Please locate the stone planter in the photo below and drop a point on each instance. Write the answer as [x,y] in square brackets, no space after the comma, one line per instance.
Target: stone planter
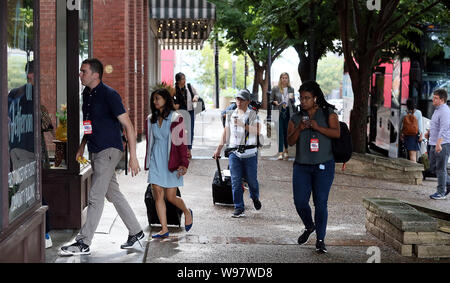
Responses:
[384,168]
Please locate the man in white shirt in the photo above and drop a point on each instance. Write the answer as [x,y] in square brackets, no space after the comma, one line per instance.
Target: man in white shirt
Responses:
[242,127]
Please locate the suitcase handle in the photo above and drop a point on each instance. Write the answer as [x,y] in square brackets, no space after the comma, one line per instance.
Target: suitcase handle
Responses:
[219,171]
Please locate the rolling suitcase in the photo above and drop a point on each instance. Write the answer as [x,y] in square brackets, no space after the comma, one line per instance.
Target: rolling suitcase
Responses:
[221,187]
[173,213]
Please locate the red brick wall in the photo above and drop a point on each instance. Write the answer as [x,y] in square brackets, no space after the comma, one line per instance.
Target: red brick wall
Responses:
[119,35]
[47,55]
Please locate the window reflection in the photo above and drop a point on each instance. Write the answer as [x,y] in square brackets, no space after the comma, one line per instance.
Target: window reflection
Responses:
[22,189]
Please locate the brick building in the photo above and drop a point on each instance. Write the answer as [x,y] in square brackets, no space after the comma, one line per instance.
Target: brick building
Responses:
[127,36]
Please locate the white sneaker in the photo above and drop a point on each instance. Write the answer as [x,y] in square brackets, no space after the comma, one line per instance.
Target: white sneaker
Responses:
[48,241]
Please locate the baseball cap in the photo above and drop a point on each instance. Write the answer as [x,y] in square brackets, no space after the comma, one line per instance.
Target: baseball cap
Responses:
[244,94]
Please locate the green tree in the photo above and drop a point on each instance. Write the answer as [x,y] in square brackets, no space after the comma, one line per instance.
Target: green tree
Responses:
[366,34]
[246,30]
[311,27]
[205,69]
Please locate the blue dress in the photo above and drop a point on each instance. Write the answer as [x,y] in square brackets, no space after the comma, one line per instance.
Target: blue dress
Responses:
[159,173]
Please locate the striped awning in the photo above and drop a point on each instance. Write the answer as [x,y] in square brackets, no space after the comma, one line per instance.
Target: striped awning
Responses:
[181,24]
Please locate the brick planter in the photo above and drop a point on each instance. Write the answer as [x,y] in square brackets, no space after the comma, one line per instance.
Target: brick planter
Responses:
[407,230]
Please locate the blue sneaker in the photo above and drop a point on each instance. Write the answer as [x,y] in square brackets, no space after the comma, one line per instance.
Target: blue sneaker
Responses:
[437,196]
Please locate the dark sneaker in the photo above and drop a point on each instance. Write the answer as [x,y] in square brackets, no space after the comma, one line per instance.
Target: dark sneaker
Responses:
[238,213]
[438,196]
[305,236]
[77,248]
[257,204]
[448,190]
[132,240]
[320,247]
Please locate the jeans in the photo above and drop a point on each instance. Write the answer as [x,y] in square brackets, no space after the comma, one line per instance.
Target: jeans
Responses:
[282,130]
[438,164]
[243,167]
[318,180]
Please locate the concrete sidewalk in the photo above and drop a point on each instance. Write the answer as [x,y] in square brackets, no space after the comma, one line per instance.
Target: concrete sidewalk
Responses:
[268,235]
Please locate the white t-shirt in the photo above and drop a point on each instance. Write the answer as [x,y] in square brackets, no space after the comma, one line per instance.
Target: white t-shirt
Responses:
[237,133]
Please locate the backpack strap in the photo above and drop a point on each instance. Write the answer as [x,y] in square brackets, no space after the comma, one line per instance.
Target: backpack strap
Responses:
[190,90]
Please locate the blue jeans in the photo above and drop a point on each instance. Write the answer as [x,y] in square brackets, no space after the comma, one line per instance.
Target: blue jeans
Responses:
[243,167]
[282,130]
[318,180]
[438,164]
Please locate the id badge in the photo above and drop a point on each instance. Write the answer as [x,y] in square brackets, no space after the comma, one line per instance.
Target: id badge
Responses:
[87,126]
[314,145]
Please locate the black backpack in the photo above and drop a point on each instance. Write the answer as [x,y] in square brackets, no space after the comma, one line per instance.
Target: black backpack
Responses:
[342,147]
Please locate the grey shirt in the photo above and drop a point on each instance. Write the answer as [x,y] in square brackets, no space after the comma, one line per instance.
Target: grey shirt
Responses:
[277,95]
[303,153]
[440,125]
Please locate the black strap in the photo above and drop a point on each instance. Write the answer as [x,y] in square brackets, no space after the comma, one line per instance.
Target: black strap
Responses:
[190,90]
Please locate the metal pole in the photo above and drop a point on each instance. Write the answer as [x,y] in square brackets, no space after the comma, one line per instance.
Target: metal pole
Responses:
[269,105]
[216,67]
[245,71]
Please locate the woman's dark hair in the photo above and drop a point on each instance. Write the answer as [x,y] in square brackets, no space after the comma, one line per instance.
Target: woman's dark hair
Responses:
[179,76]
[410,104]
[164,93]
[314,89]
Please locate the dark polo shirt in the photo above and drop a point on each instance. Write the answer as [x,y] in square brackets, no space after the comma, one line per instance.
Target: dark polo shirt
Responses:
[102,106]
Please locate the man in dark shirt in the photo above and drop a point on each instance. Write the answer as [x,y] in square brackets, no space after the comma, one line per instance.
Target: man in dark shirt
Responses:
[103,116]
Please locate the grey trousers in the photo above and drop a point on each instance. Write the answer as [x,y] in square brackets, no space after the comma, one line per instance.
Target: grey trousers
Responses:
[104,184]
[438,164]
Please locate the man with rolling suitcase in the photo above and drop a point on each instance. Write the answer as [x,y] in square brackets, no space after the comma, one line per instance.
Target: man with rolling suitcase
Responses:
[242,127]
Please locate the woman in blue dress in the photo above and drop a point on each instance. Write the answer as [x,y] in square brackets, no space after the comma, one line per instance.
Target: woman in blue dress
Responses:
[166,157]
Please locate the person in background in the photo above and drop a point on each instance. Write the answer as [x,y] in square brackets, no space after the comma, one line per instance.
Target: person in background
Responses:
[439,141]
[282,98]
[185,96]
[311,131]
[242,127]
[166,157]
[412,142]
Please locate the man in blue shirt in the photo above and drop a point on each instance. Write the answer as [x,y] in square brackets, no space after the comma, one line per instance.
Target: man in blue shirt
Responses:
[439,139]
[103,116]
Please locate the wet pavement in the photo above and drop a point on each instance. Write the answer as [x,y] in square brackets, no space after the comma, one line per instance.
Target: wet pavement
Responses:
[265,236]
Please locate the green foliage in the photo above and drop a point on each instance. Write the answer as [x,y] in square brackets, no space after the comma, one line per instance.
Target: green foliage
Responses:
[329,73]
[241,27]
[16,71]
[205,69]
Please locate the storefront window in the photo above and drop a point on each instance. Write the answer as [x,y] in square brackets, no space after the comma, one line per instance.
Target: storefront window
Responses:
[57,145]
[22,188]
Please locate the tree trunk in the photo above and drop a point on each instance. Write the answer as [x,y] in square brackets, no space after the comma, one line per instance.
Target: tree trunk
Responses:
[306,70]
[358,116]
[260,80]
